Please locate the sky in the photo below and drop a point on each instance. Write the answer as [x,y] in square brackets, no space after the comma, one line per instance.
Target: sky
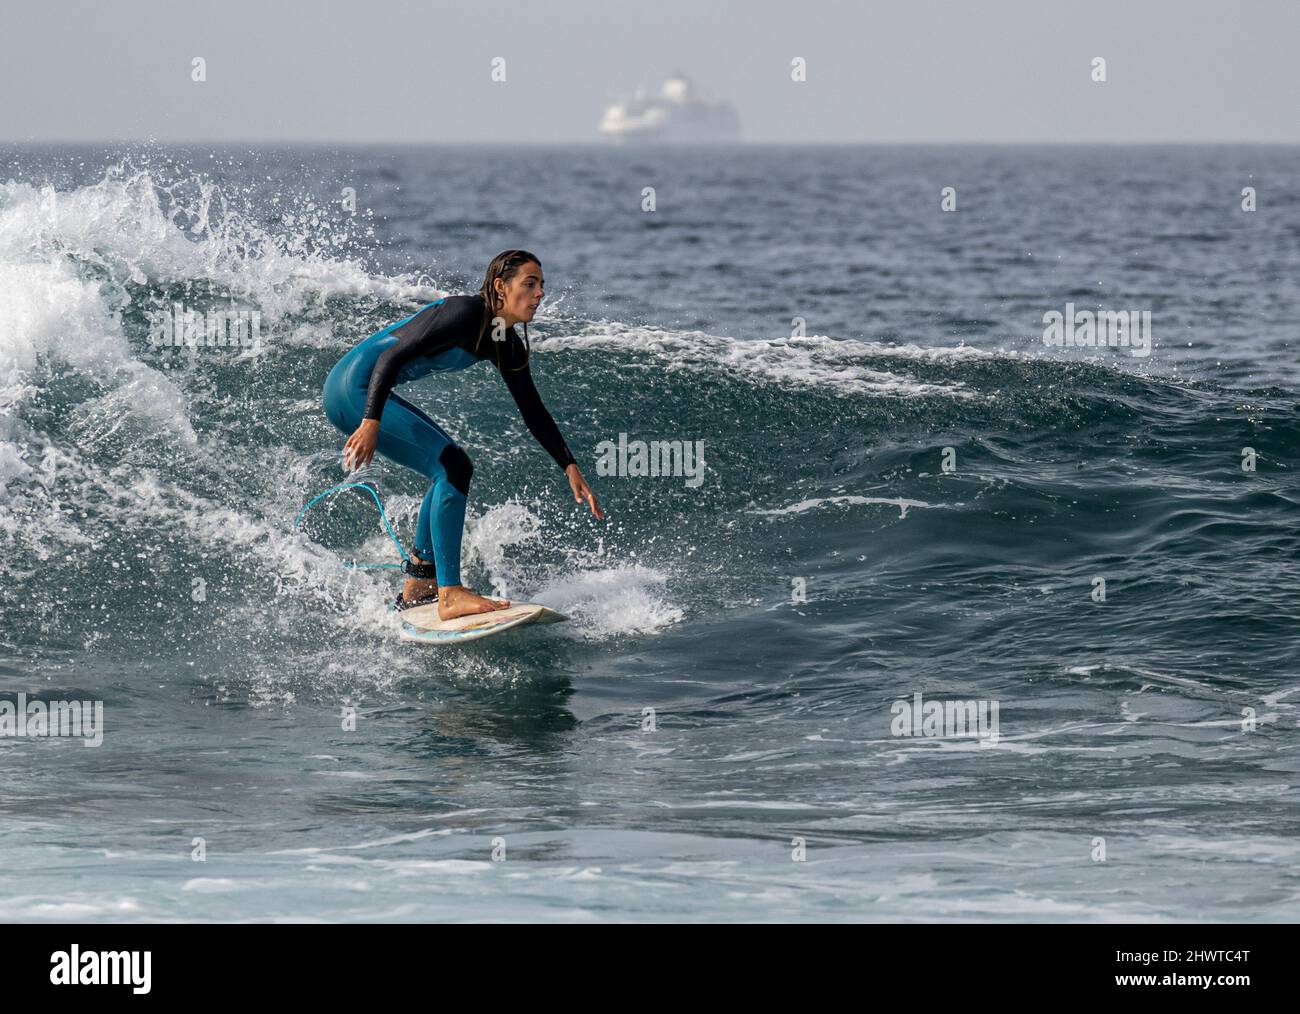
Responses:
[957,71]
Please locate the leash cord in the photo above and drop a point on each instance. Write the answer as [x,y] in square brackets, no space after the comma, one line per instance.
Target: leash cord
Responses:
[387,524]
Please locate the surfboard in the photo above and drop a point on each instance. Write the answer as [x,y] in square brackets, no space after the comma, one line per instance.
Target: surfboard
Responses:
[421,623]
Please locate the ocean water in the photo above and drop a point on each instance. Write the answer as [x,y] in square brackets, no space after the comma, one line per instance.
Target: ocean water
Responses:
[905,492]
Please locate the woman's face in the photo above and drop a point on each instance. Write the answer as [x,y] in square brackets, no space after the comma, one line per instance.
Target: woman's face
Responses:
[522,293]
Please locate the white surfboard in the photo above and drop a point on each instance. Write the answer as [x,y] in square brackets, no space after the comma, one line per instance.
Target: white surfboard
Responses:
[421,623]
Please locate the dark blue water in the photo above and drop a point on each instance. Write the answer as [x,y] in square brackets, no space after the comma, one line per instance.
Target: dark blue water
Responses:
[912,494]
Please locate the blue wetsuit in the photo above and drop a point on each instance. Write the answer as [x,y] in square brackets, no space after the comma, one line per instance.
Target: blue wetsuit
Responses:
[442,336]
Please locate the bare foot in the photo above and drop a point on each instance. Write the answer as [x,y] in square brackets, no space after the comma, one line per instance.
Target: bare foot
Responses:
[457,600]
[416,589]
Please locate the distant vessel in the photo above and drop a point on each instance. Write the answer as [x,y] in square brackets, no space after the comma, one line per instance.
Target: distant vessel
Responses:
[675,115]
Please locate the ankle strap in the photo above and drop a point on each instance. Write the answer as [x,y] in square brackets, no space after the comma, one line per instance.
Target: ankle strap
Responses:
[420,571]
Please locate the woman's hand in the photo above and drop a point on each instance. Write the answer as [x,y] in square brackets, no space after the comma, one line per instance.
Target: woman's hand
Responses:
[581,491]
[360,447]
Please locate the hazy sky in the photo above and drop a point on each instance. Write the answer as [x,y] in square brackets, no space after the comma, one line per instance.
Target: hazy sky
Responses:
[903,70]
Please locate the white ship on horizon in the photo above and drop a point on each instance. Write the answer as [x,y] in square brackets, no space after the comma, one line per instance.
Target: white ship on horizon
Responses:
[675,115]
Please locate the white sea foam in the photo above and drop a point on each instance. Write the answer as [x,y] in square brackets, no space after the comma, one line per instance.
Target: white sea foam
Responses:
[215,885]
[902,504]
[614,600]
[601,598]
[66,257]
[813,361]
[120,228]
[490,535]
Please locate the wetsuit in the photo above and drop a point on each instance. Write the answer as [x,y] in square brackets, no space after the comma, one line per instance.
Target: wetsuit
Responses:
[442,336]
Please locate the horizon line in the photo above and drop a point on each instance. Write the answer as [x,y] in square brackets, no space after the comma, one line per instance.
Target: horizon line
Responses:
[645,146]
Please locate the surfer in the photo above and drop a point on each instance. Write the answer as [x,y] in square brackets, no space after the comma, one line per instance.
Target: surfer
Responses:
[451,334]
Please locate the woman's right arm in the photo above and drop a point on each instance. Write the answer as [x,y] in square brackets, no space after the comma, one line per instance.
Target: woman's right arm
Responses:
[425,334]
[384,373]
[360,447]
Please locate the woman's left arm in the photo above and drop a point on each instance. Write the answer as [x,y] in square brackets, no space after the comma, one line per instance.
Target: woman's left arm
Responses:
[519,381]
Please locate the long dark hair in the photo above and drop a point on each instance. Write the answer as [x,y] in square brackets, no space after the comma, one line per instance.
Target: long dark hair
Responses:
[505,266]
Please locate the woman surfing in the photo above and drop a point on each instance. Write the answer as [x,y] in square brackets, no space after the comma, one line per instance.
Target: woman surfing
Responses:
[451,334]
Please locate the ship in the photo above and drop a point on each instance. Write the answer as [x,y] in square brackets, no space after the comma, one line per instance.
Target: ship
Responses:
[675,116]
